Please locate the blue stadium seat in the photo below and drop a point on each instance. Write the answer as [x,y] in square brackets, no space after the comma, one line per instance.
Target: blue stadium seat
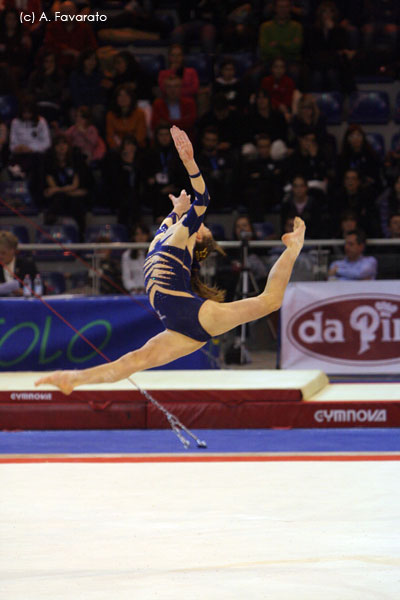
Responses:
[331,106]
[8,107]
[263,230]
[369,107]
[151,63]
[115,232]
[201,62]
[397,109]
[377,142]
[395,143]
[217,230]
[243,61]
[16,194]
[20,231]
[54,282]
[59,234]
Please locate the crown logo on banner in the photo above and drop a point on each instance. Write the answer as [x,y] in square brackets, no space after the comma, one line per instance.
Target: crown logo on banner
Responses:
[386,309]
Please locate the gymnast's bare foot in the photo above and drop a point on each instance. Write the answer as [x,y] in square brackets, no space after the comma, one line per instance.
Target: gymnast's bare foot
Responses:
[295,240]
[66,381]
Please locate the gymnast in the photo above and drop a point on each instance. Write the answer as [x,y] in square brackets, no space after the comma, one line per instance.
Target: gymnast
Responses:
[191,314]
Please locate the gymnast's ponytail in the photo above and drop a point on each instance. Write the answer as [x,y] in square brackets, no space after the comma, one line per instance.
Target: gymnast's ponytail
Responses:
[201,251]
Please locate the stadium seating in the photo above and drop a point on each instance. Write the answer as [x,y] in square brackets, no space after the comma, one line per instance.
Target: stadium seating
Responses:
[395,143]
[244,61]
[115,233]
[202,63]
[263,230]
[8,107]
[54,282]
[59,234]
[369,107]
[377,142]
[151,63]
[20,231]
[331,106]
[217,230]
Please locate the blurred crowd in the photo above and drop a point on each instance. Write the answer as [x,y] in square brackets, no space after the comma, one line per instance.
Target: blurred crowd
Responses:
[89,126]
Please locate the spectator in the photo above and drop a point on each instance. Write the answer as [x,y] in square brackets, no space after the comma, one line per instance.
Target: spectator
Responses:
[228,84]
[14,266]
[133,260]
[163,172]
[15,44]
[3,142]
[281,36]
[394,226]
[308,119]
[218,168]
[86,84]
[261,180]
[308,160]
[85,136]
[355,266]
[351,195]
[280,87]
[47,85]
[174,108]
[389,204]
[240,25]
[176,66]
[69,38]
[124,180]
[381,29]
[63,185]
[358,154]
[109,267]
[327,51]
[226,121]
[262,118]
[125,118]
[127,70]
[299,202]
[199,21]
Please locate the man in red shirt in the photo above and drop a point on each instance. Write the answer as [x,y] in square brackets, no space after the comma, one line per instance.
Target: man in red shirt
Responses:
[68,38]
[174,108]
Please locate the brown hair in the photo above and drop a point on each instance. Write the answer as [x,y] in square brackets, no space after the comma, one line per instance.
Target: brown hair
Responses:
[203,249]
[8,239]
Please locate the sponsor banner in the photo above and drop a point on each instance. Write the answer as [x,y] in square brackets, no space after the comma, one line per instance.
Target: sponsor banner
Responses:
[32,338]
[341,327]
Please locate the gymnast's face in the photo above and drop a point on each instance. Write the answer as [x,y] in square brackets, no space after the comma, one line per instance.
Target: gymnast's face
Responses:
[203,233]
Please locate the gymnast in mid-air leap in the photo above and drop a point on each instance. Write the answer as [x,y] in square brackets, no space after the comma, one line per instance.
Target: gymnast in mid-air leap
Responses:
[191,312]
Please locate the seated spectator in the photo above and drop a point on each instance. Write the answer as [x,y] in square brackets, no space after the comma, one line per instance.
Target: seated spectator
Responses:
[394,226]
[163,172]
[380,31]
[389,204]
[302,204]
[240,24]
[109,267]
[63,189]
[15,44]
[352,195]
[198,21]
[348,222]
[133,260]
[127,70]
[280,87]
[261,180]
[308,119]
[226,121]
[68,39]
[174,108]
[358,154]
[29,140]
[228,84]
[176,66]
[262,118]
[218,168]
[125,118]
[309,160]
[281,36]
[86,84]
[14,266]
[124,181]
[85,136]
[47,85]
[355,266]
[327,51]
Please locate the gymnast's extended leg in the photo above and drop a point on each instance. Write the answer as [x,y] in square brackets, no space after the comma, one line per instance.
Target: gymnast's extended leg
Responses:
[159,350]
[219,318]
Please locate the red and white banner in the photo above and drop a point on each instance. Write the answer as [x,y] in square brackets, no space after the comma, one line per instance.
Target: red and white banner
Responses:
[341,326]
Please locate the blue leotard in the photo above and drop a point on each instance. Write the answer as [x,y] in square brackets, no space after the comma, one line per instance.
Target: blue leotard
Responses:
[167,272]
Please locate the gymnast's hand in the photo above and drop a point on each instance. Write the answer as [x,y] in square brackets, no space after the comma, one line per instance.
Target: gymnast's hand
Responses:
[182,144]
[181,203]
[64,380]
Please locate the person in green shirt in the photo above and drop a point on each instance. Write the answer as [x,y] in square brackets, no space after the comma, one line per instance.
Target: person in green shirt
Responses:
[281,36]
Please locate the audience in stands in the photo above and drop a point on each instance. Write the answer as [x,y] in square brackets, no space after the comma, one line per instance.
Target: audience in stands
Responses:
[280,87]
[174,107]
[355,265]
[358,154]
[86,84]
[15,266]
[125,118]
[85,136]
[389,204]
[282,36]
[227,121]
[132,261]
[310,208]
[176,66]
[228,84]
